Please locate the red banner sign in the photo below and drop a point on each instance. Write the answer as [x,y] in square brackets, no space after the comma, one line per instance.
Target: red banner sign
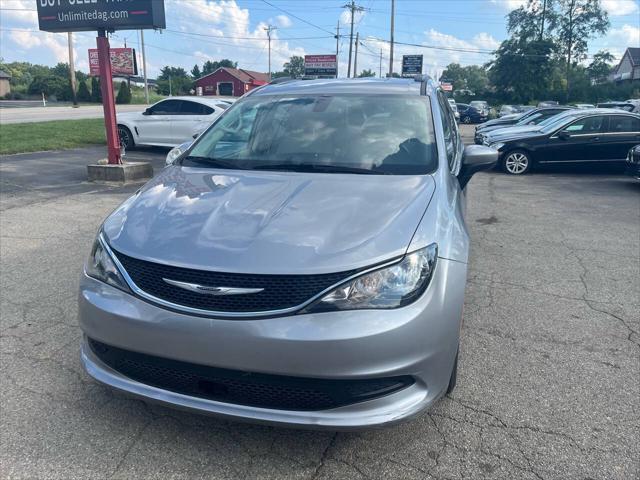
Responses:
[123,61]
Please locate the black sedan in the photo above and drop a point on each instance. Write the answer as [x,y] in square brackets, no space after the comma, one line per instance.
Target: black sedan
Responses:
[532,117]
[469,114]
[597,136]
[633,162]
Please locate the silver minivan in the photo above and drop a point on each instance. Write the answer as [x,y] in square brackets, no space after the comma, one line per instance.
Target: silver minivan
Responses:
[302,263]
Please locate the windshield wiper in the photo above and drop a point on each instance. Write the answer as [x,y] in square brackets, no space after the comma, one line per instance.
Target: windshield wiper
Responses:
[316,167]
[214,162]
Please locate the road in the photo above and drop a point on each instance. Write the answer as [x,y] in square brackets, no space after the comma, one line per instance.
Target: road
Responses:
[548,383]
[45,114]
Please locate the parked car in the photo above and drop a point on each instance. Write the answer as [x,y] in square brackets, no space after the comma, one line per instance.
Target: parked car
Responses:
[583,106]
[626,106]
[508,110]
[580,137]
[548,103]
[234,284]
[454,107]
[169,122]
[533,117]
[633,162]
[469,114]
[481,106]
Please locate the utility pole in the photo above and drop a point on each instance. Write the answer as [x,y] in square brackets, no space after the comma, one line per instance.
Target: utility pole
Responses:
[354,8]
[337,45]
[355,59]
[72,70]
[269,29]
[144,68]
[380,67]
[393,12]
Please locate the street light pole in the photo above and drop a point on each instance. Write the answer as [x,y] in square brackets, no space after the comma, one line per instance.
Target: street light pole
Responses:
[393,9]
[72,71]
[144,68]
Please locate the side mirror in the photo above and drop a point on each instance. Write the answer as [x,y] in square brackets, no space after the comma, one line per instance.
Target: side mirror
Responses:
[195,135]
[564,135]
[175,153]
[476,158]
[147,111]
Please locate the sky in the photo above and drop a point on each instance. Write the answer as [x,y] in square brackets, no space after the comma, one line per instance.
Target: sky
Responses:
[200,30]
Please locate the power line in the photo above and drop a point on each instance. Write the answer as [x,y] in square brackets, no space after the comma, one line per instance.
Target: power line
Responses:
[297,17]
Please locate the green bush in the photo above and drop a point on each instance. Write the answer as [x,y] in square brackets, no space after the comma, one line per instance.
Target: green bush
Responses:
[124,93]
[84,95]
[96,93]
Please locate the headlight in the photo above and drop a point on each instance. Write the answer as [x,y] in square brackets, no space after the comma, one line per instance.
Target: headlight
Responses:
[100,266]
[389,287]
[173,154]
[496,146]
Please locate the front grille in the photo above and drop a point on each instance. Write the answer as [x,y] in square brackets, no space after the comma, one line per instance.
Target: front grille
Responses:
[244,388]
[280,291]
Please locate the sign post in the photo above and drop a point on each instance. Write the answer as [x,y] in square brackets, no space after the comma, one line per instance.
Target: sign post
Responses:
[411,65]
[108,100]
[104,16]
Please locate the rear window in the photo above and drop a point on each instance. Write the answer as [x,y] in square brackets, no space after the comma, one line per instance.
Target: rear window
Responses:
[382,134]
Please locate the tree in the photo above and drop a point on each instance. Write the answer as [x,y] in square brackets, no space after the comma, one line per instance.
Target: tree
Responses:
[473,77]
[210,67]
[174,81]
[523,69]
[366,73]
[124,93]
[84,95]
[578,21]
[536,20]
[195,72]
[601,66]
[294,68]
[96,92]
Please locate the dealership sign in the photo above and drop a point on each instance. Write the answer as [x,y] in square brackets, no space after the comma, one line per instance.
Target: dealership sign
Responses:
[109,15]
[123,61]
[411,65]
[321,65]
[446,86]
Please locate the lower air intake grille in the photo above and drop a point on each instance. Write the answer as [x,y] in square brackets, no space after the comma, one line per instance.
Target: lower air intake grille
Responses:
[243,388]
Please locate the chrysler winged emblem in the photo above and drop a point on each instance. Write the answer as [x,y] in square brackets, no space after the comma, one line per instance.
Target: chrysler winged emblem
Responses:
[211,290]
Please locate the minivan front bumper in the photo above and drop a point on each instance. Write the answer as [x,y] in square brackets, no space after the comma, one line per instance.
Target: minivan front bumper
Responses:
[419,340]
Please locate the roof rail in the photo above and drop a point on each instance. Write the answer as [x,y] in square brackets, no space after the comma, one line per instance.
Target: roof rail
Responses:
[423,78]
[275,81]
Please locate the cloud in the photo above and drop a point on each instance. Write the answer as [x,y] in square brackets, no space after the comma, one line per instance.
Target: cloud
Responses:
[283,21]
[620,7]
[55,42]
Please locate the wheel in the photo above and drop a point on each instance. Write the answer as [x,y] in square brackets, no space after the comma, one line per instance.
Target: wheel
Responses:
[517,162]
[454,376]
[125,137]
[466,119]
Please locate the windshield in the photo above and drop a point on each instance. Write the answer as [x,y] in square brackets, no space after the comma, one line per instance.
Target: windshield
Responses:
[381,134]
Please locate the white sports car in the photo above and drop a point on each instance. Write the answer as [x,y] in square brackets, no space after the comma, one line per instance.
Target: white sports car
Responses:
[169,122]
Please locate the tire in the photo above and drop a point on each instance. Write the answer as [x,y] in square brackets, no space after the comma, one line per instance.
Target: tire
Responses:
[453,380]
[517,162]
[466,119]
[125,137]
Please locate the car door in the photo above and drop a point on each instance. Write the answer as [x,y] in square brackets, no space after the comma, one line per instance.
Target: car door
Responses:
[623,132]
[579,141]
[155,126]
[193,118]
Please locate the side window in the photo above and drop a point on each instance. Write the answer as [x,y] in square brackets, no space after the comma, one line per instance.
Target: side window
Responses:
[452,137]
[623,124]
[194,108]
[585,126]
[167,107]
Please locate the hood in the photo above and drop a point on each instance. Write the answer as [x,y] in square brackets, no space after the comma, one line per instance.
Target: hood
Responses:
[509,133]
[124,116]
[491,128]
[269,222]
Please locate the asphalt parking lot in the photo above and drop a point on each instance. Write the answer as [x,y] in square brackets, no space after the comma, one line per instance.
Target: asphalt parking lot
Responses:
[550,359]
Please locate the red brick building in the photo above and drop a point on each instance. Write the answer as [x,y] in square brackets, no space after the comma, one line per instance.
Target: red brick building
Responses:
[233,82]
